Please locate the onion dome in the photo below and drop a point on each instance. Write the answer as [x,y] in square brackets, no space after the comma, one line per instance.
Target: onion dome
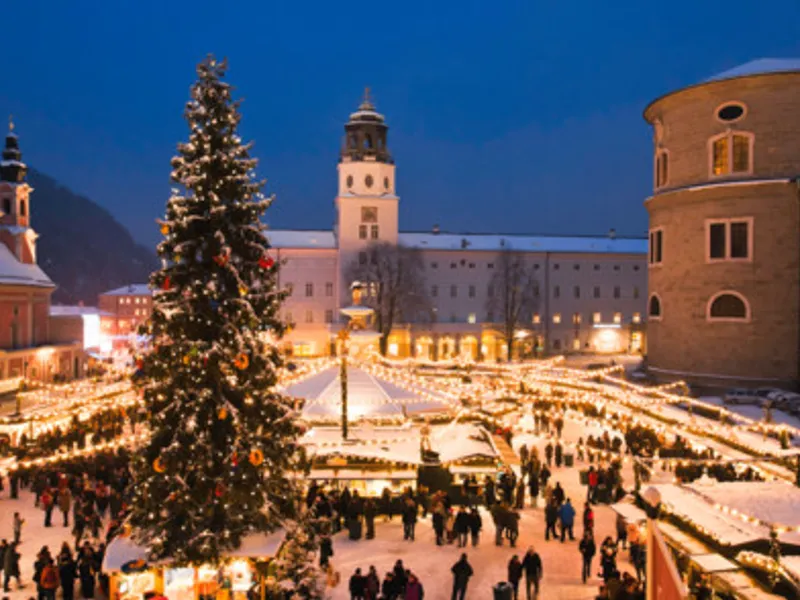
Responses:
[12,169]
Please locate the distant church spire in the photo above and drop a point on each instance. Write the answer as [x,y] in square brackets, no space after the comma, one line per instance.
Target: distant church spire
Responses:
[366,104]
[12,168]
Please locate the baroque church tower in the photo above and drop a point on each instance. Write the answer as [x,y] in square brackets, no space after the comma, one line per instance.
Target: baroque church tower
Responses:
[15,230]
[366,204]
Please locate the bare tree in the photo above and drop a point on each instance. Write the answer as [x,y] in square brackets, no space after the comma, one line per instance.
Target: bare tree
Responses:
[394,285]
[513,295]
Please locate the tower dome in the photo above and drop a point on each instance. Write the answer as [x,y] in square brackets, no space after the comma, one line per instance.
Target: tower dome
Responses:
[12,169]
[365,134]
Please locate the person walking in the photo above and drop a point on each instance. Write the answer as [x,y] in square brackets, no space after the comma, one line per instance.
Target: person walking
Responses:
[461,527]
[438,524]
[532,568]
[591,490]
[550,519]
[64,503]
[17,527]
[533,488]
[558,494]
[567,516]
[11,566]
[325,550]
[475,525]
[400,578]
[369,517]
[409,519]
[608,558]
[462,571]
[414,589]
[67,572]
[48,581]
[86,574]
[548,454]
[515,574]
[559,454]
[358,584]
[622,532]
[48,503]
[587,549]
[588,518]
[373,584]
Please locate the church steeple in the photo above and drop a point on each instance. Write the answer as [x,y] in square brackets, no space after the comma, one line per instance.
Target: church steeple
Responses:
[365,134]
[12,169]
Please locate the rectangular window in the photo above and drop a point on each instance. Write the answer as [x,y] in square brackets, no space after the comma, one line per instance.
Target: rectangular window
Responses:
[369,214]
[453,291]
[373,232]
[309,290]
[362,232]
[309,316]
[329,316]
[490,265]
[472,291]
[596,317]
[556,291]
[729,239]
[535,290]
[434,291]
[662,168]
[635,292]
[637,318]
[617,318]
[290,288]
[576,291]
[656,246]
[471,318]
[490,317]
[576,318]
[453,265]
[616,291]
[741,153]
[471,265]
[434,265]
[557,318]
[536,319]
[597,291]
[490,291]
[329,289]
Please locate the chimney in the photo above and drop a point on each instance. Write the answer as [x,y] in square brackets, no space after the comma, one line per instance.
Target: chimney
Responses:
[612,234]
[436,229]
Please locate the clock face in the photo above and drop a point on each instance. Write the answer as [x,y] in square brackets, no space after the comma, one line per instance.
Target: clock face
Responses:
[386,182]
[349,181]
[368,181]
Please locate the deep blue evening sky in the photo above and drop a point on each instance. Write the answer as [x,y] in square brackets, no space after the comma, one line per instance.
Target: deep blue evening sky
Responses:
[515,116]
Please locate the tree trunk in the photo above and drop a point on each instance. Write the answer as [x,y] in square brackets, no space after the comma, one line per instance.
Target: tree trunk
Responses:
[510,349]
[383,343]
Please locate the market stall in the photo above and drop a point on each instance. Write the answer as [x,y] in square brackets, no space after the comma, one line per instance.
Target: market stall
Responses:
[132,576]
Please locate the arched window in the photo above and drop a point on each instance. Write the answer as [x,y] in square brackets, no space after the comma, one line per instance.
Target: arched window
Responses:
[730,153]
[368,141]
[22,208]
[728,306]
[7,206]
[654,307]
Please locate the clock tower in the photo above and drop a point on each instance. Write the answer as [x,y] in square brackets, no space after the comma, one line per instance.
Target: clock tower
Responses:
[366,204]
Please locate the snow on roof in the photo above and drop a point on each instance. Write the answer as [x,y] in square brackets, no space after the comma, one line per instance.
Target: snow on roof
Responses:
[288,238]
[524,243]
[135,289]
[123,549]
[60,310]
[453,442]
[14,272]
[367,396]
[761,66]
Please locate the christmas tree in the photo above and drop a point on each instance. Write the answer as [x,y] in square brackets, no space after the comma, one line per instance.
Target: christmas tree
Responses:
[222,439]
[296,574]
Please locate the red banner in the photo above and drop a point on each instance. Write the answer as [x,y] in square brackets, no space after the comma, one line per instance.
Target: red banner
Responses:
[665,582]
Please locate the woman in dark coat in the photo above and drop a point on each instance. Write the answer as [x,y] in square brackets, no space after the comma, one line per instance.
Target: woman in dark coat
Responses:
[86,574]
[67,572]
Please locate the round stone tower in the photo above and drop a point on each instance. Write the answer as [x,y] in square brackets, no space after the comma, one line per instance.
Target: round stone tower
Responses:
[724,257]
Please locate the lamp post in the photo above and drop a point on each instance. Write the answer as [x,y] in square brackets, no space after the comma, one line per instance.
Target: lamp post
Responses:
[344,349]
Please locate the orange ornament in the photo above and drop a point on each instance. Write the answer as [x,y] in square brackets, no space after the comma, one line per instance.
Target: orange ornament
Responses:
[256,457]
[159,466]
[241,362]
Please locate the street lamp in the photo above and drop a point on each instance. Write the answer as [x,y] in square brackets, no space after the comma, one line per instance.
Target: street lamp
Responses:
[354,329]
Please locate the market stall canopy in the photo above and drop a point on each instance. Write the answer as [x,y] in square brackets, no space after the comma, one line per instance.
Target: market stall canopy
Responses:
[123,550]
[454,442]
[367,396]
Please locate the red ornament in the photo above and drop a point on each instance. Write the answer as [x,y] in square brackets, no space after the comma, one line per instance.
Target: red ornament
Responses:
[219,490]
[266,262]
[234,459]
[167,283]
[222,259]
[139,363]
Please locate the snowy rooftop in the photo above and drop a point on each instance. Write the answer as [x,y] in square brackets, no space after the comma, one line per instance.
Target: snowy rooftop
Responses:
[368,396]
[77,311]
[474,241]
[761,66]
[13,272]
[136,289]
[453,442]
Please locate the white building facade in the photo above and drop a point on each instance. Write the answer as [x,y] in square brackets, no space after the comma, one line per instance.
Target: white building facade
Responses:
[590,291]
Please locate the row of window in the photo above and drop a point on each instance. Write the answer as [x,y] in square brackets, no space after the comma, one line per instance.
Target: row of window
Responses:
[597,318]
[310,289]
[576,291]
[136,300]
[536,266]
[725,240]
[722,306]
[8,207]
[729,153]
[309,316]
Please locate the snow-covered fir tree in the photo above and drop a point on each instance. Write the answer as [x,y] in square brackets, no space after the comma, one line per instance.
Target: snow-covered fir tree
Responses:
[222,439]
[297,576]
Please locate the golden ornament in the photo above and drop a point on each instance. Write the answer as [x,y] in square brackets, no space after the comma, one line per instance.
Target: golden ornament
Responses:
[256,457]
[241,362]
[164,229]
[159,466]
[243,290]
[222,413]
